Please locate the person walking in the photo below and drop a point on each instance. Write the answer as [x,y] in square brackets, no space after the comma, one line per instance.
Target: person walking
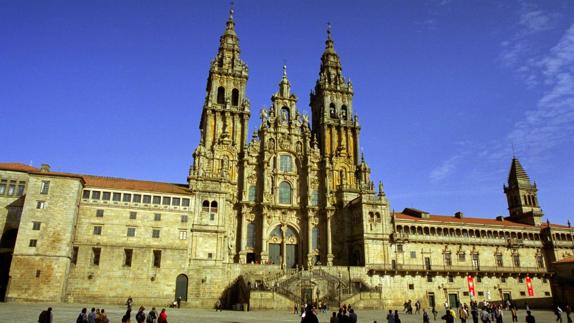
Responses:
[426,318]
[390,317]
[462,314]
[127,317]
[397,318]
[434,312]
[568,310]
[530,318]
[448,318]
[558,313]
[152,316]
[484,315]
[514,313]
[352,316]
[140,316]
[334,318]
[309,316]
[162,316]
[474,313]
[498,314]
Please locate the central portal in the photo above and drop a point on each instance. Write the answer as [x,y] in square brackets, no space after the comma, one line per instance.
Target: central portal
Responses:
[284,246]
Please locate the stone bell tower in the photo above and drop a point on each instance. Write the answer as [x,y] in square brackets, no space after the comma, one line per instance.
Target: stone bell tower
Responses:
[334,125]
[225,115]
[522,196]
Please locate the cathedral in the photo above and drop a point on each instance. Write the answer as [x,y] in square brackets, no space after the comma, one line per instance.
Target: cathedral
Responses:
[286,215]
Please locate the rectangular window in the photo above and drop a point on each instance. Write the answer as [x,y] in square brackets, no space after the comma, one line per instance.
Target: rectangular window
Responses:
[33,243]
[3,184]
[314,198]
[147,199]
[211,217]
[41,204]
[450,279]
[399,248]
[95,195]
[184,202]
[461,257]
[128,257]
[522,293]
[252,193]
[133,215]
[36,225]
[184,219]
[127,197]
[175,201]
[99,213]
[157,200]
[21,188]
[413,254]
[480,293]
[209,255]
[182,235]
[411,286]
[106,196]
[12,188]
[74,259]
[503,279]
[157,217]
[155,233]
[131,232]
[116,197]
[447,259]
[540,261]
[98,230]
[429,278]
[166,200]
[86,194]
[44,187]
[38,273]
[479,279]
[137,198]
[96,252]
[520,280]
[157,258]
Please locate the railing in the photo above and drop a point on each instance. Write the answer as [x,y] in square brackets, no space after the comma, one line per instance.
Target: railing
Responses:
[400,236]
[443,268]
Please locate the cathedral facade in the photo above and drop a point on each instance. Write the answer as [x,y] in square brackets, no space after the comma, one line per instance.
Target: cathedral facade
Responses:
[286,215]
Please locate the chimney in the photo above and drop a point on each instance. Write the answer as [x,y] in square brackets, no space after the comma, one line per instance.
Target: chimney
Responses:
[500,218]
[459,215]
[45,168]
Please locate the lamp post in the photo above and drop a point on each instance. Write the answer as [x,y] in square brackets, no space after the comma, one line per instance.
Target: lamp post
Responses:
[340,276]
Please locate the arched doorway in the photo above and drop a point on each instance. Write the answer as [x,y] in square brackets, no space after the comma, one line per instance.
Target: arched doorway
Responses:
[284,246]
[181,287]
[7,244]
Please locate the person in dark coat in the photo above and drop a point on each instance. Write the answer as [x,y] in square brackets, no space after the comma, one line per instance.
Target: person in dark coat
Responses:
[46,316]
[448,318]
[309,316]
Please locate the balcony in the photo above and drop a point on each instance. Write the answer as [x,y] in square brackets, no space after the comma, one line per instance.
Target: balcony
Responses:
[515,242]
[399,237]
[413,268]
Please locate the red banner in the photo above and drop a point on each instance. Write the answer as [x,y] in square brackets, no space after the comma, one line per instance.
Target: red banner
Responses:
[529,286]
[470,281]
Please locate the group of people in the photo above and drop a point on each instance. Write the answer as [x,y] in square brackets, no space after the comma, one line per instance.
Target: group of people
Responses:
[96,315]
[141,316]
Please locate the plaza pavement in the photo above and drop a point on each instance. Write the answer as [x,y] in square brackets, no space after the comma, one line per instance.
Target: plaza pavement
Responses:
[67,313]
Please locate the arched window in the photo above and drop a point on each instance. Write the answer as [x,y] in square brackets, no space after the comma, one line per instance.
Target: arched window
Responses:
[284,193]
[213,207]
[344,112]
[205,206]
[315,238]
[285,163]
[221,95]
[235,97]
[332,110]
[285,114]
[251,193]
[251,235]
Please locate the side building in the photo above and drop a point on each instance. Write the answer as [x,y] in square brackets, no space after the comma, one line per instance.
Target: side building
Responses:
[286,216]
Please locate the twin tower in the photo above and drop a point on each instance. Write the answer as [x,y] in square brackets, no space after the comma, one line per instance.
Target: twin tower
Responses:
[281,196]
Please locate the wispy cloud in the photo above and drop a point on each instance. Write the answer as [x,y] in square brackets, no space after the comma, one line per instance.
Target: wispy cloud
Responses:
[445,168]
[535,21]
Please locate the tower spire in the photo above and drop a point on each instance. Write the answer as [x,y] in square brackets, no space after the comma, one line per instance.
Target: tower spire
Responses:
[521,195]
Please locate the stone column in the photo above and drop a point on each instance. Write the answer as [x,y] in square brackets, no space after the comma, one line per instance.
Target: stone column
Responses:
[283,247]
[329,240]
[264,245]
[242,252]
[309,240]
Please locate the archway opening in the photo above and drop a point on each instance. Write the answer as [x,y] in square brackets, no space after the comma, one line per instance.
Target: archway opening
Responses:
[181,287]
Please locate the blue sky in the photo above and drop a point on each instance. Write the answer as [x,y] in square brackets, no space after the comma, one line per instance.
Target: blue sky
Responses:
[443,89]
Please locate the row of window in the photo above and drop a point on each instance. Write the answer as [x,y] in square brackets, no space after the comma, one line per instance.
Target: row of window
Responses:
[135,198]
[452,232]
[134,215]
[12,187]
[128,256]
[333,111]
[221,96]
[131,232]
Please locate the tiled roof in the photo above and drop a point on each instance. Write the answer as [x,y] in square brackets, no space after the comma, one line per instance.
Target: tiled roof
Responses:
[105,182]
[567,260]
[130,184]
[465,220]
[17,167]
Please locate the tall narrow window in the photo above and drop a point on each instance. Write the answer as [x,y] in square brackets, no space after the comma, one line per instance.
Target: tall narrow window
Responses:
[157,258]
[499,260]
[540,261]
[3,184]
[314,198]
[96,252]
[251,193]
[221,95]
[315,238]
[155,233]
[285,114]
[21,188]
[447,259]
[214,206]
[284,193]
[74,259]
[117,197]
[205,206]
[516,260]
[44,187]
[235,97]
[128,253]
[182,235]
[344,112]
[251,235]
